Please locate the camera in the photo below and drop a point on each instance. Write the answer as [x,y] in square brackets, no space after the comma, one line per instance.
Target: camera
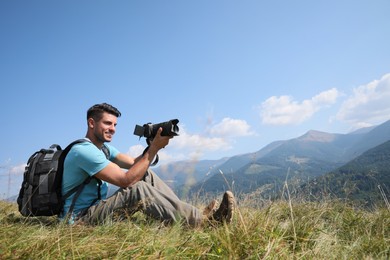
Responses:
[149,130]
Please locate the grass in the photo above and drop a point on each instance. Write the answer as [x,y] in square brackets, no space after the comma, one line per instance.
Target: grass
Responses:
[278,230]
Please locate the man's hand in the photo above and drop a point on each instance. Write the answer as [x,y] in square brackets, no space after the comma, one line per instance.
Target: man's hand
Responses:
[159,141]
[136,167]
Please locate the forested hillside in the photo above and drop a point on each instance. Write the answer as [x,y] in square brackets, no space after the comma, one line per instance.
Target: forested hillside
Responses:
[362,180]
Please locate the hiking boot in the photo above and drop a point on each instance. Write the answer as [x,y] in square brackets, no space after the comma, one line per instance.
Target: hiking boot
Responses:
[210,209]
[225,212]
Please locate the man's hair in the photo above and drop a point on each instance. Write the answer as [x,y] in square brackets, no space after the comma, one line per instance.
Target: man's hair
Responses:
[96,111]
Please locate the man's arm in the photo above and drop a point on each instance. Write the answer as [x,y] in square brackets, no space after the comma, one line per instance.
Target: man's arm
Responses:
[113,173]
[124,161]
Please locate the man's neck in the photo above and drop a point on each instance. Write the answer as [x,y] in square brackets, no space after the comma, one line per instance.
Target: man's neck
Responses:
[97,143]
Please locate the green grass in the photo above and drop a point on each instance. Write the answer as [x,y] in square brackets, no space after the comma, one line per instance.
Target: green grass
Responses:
[279,230]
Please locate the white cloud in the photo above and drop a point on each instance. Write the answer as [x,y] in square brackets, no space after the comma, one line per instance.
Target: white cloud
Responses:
[231,127]
[284,110]
[369,104]
[136,150]
[18,169]
[13,169]
[199,142]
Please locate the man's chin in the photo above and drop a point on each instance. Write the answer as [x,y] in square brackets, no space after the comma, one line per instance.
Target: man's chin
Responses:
[108,139]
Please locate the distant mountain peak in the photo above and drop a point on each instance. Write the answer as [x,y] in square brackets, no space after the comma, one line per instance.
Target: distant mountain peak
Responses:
[318,136]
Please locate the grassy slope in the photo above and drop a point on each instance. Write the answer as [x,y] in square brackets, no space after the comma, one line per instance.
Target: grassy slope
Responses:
[280,230]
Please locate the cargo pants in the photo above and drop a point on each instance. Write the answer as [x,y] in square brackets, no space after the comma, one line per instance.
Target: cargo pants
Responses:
[151,196]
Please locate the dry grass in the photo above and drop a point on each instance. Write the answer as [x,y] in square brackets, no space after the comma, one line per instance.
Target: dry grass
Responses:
[279,230]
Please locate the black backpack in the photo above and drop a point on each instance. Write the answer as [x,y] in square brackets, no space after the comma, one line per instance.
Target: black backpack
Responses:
[41,190]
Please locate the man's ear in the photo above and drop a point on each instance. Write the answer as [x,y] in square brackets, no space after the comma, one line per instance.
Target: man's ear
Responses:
[91,122]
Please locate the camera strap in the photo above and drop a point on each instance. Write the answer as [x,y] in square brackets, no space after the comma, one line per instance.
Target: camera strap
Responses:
[146,149]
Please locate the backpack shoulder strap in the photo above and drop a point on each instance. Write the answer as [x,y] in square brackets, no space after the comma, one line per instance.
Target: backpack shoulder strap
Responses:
[80,187]
[65,152]
[106,151]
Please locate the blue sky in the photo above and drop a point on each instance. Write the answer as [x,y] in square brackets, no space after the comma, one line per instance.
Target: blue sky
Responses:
[237,74]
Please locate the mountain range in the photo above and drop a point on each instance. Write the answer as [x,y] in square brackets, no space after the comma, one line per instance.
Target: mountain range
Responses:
[316,163]
[297,161]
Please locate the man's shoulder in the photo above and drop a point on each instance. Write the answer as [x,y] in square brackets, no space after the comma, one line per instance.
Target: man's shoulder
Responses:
[83,148]
[83,145]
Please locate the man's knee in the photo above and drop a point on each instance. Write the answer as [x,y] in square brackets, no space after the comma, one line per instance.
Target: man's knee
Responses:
[136,191]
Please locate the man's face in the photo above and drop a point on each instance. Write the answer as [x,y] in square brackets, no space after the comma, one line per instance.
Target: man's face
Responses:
[104,129]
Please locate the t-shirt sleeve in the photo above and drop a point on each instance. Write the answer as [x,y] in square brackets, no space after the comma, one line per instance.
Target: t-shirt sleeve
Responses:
[90,159]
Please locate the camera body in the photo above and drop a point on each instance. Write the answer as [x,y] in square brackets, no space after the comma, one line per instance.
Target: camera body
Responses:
[149,130]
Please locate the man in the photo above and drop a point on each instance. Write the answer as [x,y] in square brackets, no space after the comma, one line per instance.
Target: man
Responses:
[140,188]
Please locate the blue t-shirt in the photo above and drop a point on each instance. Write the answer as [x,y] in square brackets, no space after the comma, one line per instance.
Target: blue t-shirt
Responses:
[83,160]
